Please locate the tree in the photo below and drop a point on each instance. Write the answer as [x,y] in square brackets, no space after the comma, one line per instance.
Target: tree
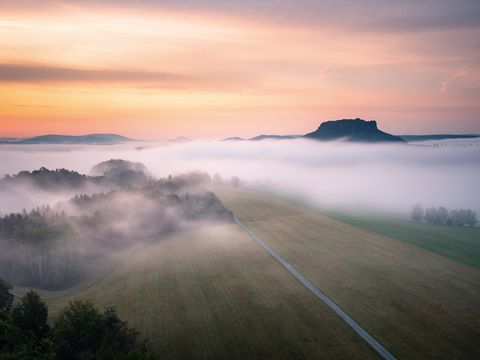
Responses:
[15,343]
[77,330]
[6,297]
[217,180]
[429,215]
[235,181]
[82,331]
[471,218]
[120,340]
[417,213]
[436,216]
[442,215]
[456,217]
[12,341]
[30,315]
[459,217]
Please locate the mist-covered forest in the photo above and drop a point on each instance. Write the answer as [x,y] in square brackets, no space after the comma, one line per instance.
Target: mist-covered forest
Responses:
[120,205]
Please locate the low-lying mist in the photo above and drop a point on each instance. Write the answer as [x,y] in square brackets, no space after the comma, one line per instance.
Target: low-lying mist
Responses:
[379,177]
[55,246]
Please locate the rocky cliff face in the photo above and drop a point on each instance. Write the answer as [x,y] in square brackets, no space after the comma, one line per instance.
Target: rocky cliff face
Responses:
[352,130]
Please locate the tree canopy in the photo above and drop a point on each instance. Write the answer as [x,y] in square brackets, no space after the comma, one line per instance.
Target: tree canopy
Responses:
[80,332]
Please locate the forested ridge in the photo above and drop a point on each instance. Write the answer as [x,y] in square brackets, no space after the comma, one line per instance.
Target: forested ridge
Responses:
[52,246]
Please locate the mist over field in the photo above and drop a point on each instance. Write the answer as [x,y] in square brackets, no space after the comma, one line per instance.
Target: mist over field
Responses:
[239,179]
[383,177]
[121,205]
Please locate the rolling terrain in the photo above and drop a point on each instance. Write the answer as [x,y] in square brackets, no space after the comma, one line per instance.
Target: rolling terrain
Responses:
[214,293]
[416,303]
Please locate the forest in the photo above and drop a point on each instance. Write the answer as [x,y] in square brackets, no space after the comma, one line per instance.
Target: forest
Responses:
[52,246]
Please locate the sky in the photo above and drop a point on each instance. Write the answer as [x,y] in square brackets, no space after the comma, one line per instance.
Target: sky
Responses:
[212,69]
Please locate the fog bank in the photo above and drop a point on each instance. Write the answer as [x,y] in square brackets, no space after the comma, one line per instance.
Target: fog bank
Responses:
[379,177]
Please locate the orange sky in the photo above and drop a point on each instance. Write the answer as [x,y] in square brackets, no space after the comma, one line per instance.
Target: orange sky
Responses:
[159,72]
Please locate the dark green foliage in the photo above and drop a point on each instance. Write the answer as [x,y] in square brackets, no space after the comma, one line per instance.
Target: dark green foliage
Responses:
[80,333]
[77,330]
[30,315]
[24,332]
[14,345]
[6,297]
[83,332]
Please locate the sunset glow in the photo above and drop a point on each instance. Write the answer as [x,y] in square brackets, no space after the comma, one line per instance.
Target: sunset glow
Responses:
[161,71]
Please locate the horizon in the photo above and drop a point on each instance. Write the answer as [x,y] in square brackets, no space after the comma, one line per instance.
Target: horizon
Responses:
[180,136]
[214,70]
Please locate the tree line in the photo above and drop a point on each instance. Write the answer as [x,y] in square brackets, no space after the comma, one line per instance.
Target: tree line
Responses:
[81,331]
[35,248]
[444,216]
[54,247]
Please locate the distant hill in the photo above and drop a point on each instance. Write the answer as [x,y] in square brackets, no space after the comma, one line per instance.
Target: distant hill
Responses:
[73,139]
[356,130]
[234,138]
[180,139]
[275,137]
[9,139]
[263,137]
[411,138]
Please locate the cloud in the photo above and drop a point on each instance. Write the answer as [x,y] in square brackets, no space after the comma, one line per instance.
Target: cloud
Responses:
[42,73]
[446,82]
[417,20]
[408,15]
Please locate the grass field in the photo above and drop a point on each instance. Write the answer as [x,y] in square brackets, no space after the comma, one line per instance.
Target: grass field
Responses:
[214,293]
[418,304]
[460,244]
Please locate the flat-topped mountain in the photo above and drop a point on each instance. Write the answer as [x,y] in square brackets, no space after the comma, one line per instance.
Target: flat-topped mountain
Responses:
[352,130]
[356,130]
